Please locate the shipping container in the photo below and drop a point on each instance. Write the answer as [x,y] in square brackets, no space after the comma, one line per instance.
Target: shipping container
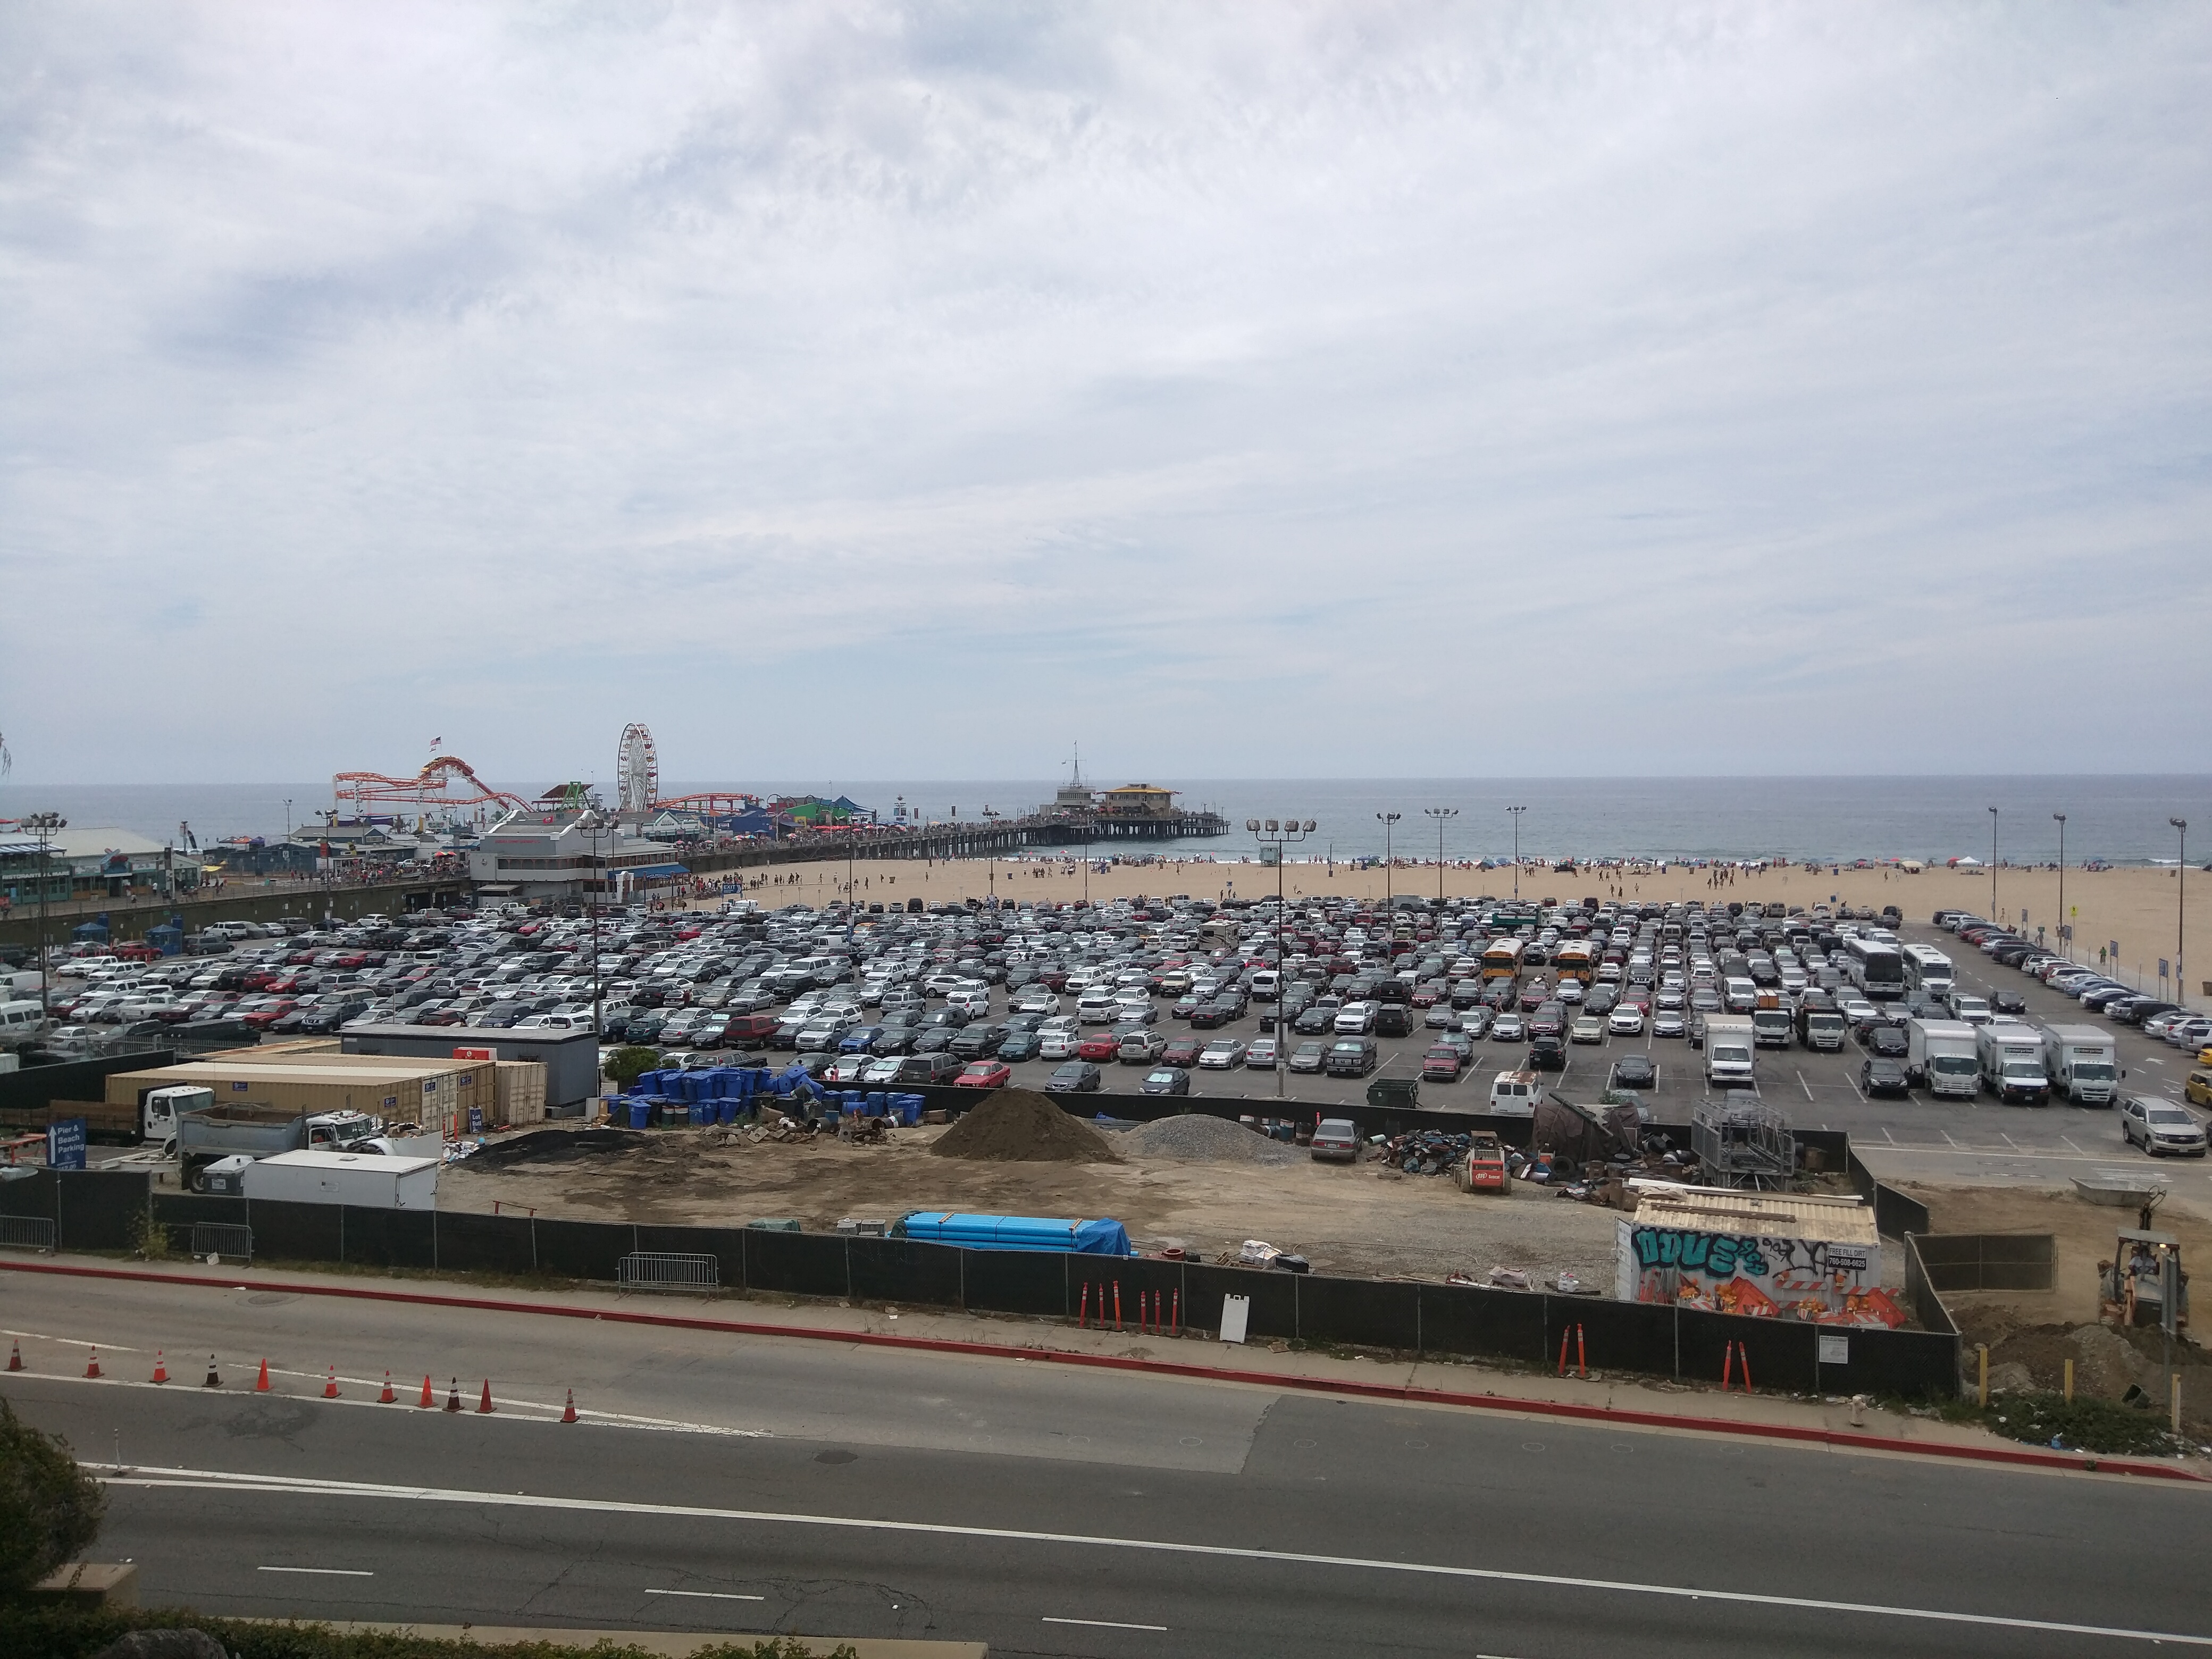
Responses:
[368,1180]
[522,1092]
[438,1094]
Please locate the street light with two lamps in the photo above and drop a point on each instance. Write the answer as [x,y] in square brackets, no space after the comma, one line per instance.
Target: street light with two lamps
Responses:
[1387,819]
[1271,833]
[1441,813]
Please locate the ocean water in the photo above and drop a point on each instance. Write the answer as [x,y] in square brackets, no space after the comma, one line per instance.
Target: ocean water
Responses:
[2119,820]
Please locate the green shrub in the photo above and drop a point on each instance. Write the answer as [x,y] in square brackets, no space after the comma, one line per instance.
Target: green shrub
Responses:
[50,1509]
[627,1064]
[2082,1425]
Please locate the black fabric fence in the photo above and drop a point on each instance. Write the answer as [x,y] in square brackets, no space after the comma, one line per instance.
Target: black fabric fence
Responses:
[1990,1262]
[1895,1215]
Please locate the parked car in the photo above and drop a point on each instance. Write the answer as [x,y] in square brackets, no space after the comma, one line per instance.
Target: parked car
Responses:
[1441,1064]
[1635,1072]
[1336,1140]
[2161,1127]
[1222,1054]
[1307,1057]
[1882,1075]
[1546,1053]
[1075,1077]
[1166,1080]
[985,1074]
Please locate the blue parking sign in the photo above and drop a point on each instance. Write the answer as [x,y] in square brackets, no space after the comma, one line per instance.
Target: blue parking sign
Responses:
[65,1142]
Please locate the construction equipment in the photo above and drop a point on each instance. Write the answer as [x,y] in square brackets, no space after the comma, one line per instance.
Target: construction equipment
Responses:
[1483,1168]
[1742,1142]
[2143,1281]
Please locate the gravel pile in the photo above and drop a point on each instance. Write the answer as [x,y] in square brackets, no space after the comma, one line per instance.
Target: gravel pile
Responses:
[1020,1125]
[1193,1138]
[556,1146]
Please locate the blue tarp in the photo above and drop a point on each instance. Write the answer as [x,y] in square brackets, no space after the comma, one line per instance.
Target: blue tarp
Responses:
[1017,1232]
[655,872]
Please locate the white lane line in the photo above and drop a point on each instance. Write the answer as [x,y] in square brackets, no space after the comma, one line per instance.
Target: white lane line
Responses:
[282,1485]
[2069,1139]
[1887,1136]
[1945,1134]
[322,1572]
[1806,1086]
[709,1595]
[1103,1624]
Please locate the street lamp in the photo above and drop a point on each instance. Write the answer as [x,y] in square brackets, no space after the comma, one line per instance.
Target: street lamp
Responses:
[1517,812]
[44,824]
[1288,833]
[595,821]
[2065,932]
[1993,864]
[1387,819]
[1440,813]
[2181,909]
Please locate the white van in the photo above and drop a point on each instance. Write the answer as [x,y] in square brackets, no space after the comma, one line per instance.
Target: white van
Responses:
[23,1024]
[1513,1094]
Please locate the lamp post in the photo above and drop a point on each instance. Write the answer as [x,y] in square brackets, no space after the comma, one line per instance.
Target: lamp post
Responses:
[2181,909]
[1288,833]
[991,852]
[1440,813]
[2065,932]
[1387,819]
[44,824]
[1517,812]
[1993,864]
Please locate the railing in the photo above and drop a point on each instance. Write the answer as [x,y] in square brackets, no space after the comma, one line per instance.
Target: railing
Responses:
[26,1232]
[222,1238]
[647,1270]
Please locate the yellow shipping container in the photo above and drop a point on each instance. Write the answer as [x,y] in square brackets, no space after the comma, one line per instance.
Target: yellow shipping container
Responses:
[521,1091]
[436,1094]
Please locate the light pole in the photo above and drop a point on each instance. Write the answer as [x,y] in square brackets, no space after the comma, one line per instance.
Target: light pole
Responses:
[1517,812]
[1993,864]
[595,822]
[991,853]
[1387,819]
[44,824]
[1288,833]
[2181,909]
[2065,932]
[1440,813]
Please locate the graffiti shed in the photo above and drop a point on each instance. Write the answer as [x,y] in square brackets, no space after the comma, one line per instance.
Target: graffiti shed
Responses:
[1769,1256]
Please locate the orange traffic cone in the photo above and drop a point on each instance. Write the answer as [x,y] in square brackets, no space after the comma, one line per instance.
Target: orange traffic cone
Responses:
[160,1371]
[485,1405]
[387,1397]
[92,1365]
[454,1397]
[429,1400]
[330,1388]
[262,1387]
[16,1356]
[568,1411]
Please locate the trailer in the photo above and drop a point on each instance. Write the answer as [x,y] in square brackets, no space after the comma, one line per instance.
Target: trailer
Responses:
[370,1181]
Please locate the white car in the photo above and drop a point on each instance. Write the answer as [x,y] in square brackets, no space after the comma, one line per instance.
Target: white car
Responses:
[879,1072]
[1627,1020]
[1354,1019]
[1058,1043]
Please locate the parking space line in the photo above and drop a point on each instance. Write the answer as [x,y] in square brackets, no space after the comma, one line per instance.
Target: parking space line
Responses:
[1945,1134]
[1889,1136]
[1806,1086]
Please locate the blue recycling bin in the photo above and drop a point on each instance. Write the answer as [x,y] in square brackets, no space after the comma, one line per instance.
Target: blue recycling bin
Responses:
[640,1114]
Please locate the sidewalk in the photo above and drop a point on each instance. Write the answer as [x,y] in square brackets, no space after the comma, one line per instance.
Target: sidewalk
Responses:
[1616,1400]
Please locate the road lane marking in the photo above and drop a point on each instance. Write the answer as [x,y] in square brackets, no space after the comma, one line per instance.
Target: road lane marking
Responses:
[322,1572]
[1103,1624]
[1806,1086]
[709,1595]
[301,1486]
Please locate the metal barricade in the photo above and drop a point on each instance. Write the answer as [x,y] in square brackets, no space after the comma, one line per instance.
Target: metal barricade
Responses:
[646,1271]
[26,1232]
[222,1238]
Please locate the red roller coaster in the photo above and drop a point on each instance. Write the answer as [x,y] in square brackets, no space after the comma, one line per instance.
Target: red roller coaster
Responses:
[433,787]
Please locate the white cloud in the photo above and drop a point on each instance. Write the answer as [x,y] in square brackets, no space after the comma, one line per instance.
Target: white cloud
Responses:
[900,390]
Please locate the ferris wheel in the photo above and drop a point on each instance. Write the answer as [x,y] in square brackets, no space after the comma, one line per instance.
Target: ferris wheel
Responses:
[637,771]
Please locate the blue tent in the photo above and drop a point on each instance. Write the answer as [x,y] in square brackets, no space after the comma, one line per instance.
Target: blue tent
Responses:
[1015,1232]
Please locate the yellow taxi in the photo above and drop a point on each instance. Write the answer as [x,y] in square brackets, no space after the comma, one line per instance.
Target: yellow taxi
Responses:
[2198,1088]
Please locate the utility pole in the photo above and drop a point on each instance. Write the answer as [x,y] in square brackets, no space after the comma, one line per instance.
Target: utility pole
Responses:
[1517,812]
[2181,911]
[1440,813]
[1993,864]
[1387,819]
[1288,833]
[2065,931]
[44,824]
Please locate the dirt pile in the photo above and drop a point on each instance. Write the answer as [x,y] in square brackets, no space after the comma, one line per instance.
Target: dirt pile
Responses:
[556,1146]
[1193,1138]
[1020,1125]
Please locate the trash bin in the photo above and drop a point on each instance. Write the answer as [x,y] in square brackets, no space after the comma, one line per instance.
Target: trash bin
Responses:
[1395,1093]
[640,1114]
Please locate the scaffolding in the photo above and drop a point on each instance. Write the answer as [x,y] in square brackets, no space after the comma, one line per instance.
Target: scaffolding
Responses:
[1742,1143]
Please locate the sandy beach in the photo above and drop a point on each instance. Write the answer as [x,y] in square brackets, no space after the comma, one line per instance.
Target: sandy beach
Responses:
[2133,907]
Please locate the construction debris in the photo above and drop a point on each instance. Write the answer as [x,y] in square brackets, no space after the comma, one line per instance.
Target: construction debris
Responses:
[1020,1125]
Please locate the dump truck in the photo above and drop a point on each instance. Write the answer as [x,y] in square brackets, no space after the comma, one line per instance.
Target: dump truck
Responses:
[260,1132]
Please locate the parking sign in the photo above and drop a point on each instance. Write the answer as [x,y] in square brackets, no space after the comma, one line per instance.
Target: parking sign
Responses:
[65,1144]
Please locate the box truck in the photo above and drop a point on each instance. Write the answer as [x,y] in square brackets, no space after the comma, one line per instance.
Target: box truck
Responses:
[369,1180]
[1820,1028]
[1771,1027]
[2083,1064]
[1941,1057]
[2011,1057]
[1728,1051]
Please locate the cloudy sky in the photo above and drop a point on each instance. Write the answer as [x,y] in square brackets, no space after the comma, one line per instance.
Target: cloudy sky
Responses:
[1275,390]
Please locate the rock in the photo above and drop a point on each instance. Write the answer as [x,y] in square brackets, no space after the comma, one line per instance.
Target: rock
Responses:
[2011,1377]
[164,1644]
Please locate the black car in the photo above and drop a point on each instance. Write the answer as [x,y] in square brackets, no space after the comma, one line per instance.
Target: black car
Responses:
[934,1040]
[1601,999]
[1635,1072]
[976,1043]
[1167,1080]
[1886,1043]
[1314,1021]
[1547,1053]
[1212,1016]
[2008,1002]
[1882,1075]
[1019,1045]
[1075,1077]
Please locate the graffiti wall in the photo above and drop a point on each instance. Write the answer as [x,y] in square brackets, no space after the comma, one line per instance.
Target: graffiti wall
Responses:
[1817,1281]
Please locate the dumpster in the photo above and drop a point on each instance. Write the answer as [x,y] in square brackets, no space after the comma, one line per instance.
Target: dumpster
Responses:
[1395,1093]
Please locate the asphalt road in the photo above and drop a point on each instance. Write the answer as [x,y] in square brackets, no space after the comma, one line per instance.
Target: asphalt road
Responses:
[1101,1515]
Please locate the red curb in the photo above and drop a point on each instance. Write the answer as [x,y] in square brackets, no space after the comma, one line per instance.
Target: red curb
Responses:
[2023,1457]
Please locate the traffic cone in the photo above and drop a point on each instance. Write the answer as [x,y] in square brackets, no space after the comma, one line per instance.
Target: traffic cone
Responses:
[213,1376]
[92,1365]
[484,1406]
[160,1371]
[568,1411]
[261,1386]
[429,1399]
[330,1388]
[16,1356]
[387,1398]
[453,1399]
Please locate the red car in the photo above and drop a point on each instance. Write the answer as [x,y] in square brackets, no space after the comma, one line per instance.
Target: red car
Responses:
[262,1016]
[1183,1052]
[1441,1064]
[1098,1046]
[985,1074]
